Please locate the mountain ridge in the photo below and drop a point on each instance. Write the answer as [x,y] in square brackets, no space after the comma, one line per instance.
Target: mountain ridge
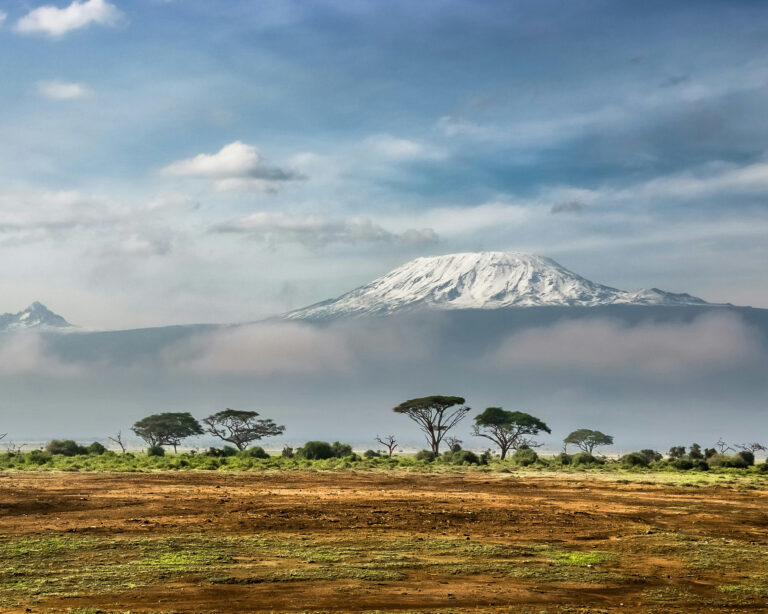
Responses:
[36,316]
[481,280]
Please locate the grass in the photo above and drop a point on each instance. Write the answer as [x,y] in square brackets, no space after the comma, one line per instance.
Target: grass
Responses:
[33,569]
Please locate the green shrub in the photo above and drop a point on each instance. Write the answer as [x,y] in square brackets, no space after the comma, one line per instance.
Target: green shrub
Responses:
[464,457]
[254,452]
[584,458]
[315,450]
[156,451]
[748,456]
[683,464]
[563,459]
[635,459]
[96,449]
[224,452]
[38,457]
[340,450]
[524,457]
[371,454]
[652,455]
[66,447]
[425,455]
[722,460]
[287,452]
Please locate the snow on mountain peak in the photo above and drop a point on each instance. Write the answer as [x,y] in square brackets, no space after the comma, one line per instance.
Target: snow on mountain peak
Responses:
[36,315]
[482,280]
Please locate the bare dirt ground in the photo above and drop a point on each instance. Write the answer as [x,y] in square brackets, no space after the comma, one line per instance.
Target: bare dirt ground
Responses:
[378,542]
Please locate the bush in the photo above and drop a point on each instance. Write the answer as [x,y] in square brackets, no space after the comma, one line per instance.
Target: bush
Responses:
[652,455]
[683,464]
[748,456]
[371,454]
[254,452]
[563,459]
[66,447]
[96,449]
[224,452]
[287,452]
[38,457]
[635,459]
[722,460]
[315,450]
[584,458]
[340,450]
[156,451]
[524,457]
[425,455]
[462,457]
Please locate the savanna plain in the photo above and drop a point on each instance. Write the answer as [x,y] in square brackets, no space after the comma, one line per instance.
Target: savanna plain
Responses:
[462,539]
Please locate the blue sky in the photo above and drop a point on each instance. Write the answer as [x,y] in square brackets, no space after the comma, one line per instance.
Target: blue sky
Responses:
[184,161]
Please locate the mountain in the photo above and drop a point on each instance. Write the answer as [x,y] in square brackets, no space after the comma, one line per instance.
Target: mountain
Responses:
[483,280]
[36,316]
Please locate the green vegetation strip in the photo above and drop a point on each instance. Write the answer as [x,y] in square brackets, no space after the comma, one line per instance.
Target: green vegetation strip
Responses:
[35,568]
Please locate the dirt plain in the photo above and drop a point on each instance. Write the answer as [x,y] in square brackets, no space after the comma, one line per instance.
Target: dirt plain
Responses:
[379,542]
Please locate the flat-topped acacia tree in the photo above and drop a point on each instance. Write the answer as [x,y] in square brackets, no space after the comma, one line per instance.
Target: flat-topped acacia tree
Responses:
[240,427]
[509,430]
[167,429]
[587,439]
[435,415]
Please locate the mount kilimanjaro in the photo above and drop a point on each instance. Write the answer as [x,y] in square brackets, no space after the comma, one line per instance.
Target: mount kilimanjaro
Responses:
[484,280]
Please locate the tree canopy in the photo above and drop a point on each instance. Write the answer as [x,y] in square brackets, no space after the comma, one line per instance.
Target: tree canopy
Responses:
[435,415]
[167,429]
[587,439]
[509,430]
[240,427]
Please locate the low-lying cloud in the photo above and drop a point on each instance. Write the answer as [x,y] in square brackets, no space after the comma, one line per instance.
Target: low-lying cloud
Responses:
[55,22]
[712,342]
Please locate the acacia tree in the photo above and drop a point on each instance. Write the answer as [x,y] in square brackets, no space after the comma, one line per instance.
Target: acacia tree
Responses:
[587,439]
[389,443]
[509,430]
[240,427]
[435,415]
[167,429]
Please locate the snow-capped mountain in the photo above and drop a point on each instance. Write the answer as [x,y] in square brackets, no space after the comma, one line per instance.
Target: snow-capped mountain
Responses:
[484,280]
[36,315]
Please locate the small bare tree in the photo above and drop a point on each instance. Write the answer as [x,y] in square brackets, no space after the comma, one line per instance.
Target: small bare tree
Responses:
[14,448]
[389,443]
[722,447]
[750,447]
[453,442]
[118,439]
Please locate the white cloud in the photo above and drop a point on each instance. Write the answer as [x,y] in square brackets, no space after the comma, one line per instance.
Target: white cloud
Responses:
[62,90]
[24,353]
[315,231]
[394,148]
[711,342]
[56,22]
[3,16]
[237,166]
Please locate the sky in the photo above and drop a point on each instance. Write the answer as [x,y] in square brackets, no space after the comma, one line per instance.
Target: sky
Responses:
[181,161]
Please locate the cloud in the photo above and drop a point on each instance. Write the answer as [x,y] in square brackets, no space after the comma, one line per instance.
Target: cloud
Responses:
[237,166]
[57,22]
[315,231]
[263,349]
[393,148]
[3,16]
[61,90]
[572,206]
[23,353]
[712,342]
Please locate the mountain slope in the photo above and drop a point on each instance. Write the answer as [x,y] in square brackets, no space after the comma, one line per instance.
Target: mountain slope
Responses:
[36,315]
[484,280]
